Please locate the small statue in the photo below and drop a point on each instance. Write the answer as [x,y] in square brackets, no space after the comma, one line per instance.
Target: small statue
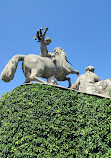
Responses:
[86,82]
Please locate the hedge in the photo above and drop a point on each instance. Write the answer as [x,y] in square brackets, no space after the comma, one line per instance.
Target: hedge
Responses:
[42,121]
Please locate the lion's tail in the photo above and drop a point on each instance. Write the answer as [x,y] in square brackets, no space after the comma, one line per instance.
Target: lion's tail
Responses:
[10,69]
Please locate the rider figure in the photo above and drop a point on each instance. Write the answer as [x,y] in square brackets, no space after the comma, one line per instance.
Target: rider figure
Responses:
[43,42]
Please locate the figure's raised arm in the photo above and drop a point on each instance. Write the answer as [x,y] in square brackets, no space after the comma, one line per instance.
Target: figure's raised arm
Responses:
[43,35]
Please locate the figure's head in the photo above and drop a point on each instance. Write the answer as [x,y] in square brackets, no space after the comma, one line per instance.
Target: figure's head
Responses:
[90,68]
[47,41]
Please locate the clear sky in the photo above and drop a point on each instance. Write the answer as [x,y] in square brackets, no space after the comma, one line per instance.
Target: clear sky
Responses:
[81,27]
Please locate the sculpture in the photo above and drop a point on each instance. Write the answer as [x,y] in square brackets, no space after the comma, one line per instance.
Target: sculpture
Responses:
[43,42]
[86,82]
[35,66]
[104,87]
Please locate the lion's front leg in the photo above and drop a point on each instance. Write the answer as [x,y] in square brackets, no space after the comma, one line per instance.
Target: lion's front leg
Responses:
[69,81]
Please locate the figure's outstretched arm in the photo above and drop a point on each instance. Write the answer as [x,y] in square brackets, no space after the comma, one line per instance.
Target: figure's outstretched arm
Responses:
[43,35]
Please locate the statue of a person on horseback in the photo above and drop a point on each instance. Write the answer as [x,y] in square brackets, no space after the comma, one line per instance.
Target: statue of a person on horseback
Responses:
[48,65]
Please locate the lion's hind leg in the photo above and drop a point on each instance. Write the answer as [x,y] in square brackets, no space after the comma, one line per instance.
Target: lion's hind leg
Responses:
[27,73]
[33,77]
[27,80]
[52,80]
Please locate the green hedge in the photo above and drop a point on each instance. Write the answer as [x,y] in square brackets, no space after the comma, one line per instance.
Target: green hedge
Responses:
[41,121]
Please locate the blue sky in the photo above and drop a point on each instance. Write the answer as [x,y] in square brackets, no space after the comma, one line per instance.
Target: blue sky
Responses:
[81,27]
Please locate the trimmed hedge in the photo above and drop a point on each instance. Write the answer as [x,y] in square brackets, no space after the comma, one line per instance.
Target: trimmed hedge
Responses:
[42,121]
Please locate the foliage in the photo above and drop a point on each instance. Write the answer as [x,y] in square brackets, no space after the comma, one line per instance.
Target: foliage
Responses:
[110,92]
[47,122]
